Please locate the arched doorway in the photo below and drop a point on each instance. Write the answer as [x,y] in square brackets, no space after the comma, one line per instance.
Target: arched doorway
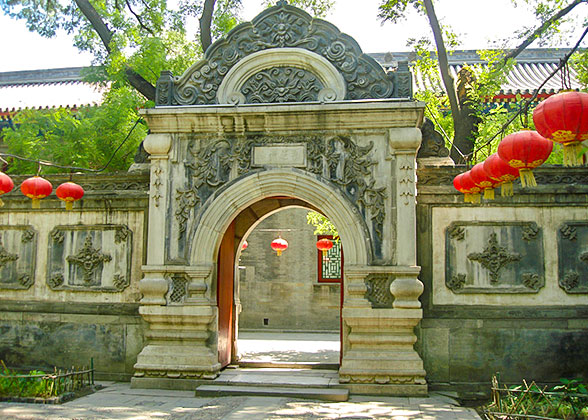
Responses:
[346,145]
[288,294]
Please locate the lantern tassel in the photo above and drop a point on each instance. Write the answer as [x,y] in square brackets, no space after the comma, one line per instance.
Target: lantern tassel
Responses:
[489,194]
[476,198]
[69,205]
[1,203]
[527,178]
[279,252]
[36,204]
[572,154]
[467,198]
[506,189]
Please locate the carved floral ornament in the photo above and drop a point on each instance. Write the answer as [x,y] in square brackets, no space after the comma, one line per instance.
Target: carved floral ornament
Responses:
[337,63]
[337,159]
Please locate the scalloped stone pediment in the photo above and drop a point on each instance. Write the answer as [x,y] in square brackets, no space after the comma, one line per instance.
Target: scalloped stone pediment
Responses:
[283,55]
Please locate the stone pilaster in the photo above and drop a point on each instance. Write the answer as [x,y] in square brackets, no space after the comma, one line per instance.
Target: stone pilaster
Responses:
[378,344]
[177,353]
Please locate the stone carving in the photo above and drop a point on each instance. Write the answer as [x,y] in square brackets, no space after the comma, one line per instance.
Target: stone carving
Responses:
[456,232]
[179,289]
[121,234]
[378,290]
[381,379]
[494,257]
[281,84]
[406,181]
[27,236]
[433,144]
[532,281]
[6,257]
[283,26]
[120,282]
[55,280]
[573,257]
[77,260]
[530,231]
[570,281]
[455,282]
[57,236]
[568,232]
[89,259]
[337,158]
[500,270]
[17,257]
[156,182]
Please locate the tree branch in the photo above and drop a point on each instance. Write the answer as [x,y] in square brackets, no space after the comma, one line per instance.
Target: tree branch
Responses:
[537,32]
[135,79]
[206,24]
[448,81]
[138,18]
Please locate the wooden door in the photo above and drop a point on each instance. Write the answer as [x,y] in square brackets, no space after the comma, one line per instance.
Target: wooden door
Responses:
[225,290]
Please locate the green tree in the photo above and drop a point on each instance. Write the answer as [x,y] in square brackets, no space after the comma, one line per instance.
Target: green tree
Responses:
[466,123]
[86,138]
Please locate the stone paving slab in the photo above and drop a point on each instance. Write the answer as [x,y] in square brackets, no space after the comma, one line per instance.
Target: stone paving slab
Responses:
[117,401]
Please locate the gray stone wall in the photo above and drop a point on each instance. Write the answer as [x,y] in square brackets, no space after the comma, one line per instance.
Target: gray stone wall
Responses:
[284,290]
[523,316]
[56,311]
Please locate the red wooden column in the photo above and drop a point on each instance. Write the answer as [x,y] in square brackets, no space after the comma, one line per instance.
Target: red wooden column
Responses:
[225,290]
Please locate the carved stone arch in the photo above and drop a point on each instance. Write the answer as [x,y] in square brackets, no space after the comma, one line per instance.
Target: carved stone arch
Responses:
[328,78]
[284,26]
[277,182]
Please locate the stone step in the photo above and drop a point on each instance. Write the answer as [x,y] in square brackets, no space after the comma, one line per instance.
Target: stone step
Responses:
[323,394]
[288,365]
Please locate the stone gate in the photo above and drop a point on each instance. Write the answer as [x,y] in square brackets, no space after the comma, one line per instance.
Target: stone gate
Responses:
[284,111]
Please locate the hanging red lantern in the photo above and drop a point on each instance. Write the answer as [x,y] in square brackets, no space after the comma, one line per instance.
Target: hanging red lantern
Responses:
[563,118]
[279,245]
[324,245]
[6,185]
[483,181]
[69,192]
[472,191]
[499,170]
[36,188]
[244,245]
[525,150]
[457,185]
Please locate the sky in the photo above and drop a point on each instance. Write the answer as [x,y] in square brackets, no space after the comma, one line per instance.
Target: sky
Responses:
[479,22]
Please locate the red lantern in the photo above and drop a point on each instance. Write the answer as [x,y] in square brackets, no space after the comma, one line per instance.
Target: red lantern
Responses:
[472,191]
[36,188]
[499,170]
[69,192]
[6,185]
[279,245]
[563,118]
[525,150]
[245,245]
[324,245]
[460,188]
[483,181]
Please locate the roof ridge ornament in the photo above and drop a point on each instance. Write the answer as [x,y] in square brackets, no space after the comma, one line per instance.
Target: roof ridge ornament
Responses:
[284,26]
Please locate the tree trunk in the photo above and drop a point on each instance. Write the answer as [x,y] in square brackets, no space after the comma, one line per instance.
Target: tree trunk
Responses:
[135,79]
[466,125]
[206,24]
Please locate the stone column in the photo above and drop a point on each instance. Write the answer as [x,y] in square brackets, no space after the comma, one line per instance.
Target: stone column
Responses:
[378,353]
[154,286]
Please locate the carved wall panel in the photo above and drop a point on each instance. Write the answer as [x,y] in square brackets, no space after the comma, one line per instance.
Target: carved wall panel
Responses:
[211,164]
[572,241]
[492,257]
[18,254]
[90,258]
[378,290]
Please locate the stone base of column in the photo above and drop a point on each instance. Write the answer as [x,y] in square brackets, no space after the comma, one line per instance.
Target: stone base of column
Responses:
[180,347]
[378,353]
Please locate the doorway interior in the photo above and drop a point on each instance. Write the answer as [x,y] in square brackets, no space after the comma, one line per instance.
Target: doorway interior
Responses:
[278,311]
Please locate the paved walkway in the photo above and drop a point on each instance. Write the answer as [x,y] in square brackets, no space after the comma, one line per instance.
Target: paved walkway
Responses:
[272,347]
[118,401]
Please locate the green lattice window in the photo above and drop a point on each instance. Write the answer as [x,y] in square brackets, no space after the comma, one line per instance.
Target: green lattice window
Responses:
[330,264]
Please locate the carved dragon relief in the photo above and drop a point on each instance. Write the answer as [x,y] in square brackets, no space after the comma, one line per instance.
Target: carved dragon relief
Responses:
[283,26]
[17,268]
[337,159]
